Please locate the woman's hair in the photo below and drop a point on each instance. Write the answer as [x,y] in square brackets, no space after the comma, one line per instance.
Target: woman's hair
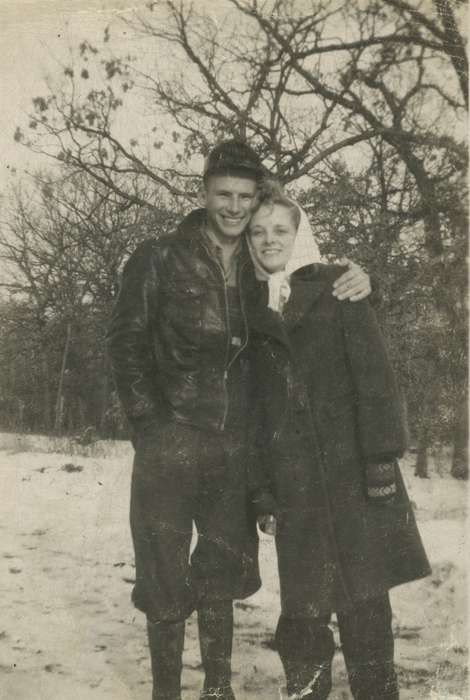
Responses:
[271,193]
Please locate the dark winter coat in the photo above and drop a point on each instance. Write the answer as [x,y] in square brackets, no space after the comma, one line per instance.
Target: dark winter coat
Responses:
[169,339]
[328,406]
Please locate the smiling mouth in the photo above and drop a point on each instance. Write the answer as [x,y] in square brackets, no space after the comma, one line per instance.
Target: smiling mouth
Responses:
[272,251]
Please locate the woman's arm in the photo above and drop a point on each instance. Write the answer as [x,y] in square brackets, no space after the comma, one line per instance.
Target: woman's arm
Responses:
[380,414]
[259,475]
[260,482]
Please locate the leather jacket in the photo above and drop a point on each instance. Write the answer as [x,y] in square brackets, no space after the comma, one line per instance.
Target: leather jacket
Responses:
[169,337]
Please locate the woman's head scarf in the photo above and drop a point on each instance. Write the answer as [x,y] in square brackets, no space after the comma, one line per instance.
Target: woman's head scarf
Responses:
[304,252]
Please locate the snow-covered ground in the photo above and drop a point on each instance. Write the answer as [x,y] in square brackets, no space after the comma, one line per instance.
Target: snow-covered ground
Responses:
[69,632]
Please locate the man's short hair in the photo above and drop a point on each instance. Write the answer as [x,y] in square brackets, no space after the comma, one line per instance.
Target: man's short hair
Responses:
[234,158]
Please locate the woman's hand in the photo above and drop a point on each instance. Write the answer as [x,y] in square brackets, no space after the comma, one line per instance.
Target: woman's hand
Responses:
[354,284]
[267,524]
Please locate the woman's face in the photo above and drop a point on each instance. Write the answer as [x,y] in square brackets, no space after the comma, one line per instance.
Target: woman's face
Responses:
[272,234]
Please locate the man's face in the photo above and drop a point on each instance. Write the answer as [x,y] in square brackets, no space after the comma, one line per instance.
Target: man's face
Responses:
[229,202]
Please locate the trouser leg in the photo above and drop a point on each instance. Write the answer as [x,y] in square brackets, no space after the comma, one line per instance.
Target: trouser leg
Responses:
[306,648]
[368,648]
[215,620]
[164,484]
[166,642]
[224,562]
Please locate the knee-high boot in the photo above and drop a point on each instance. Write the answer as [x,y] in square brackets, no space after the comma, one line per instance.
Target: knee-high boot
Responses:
[166,642]
[306,649]
[215,638]
[368,648]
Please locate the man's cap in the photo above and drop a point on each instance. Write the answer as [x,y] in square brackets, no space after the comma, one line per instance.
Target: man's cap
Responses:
[233,156]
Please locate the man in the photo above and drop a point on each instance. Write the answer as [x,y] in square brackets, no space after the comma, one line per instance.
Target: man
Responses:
[177,341]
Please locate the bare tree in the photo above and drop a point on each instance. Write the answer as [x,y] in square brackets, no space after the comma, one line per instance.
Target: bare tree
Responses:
[62,246]
[303,82]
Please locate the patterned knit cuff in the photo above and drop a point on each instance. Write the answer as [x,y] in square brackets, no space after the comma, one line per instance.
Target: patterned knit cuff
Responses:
[381,484]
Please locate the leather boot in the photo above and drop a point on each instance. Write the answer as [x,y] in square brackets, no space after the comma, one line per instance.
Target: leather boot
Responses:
[215,638]
[368,647]
[166,642]
[306,648]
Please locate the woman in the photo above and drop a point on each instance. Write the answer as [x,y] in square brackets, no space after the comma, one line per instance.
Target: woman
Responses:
[329,434]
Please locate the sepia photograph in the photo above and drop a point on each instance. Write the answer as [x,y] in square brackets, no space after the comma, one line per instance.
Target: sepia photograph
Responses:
[234,350]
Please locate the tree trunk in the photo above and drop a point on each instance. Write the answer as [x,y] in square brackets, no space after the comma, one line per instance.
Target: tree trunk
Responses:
[459,468]
[46,395]
[421,468]
[59,406]
[104,396]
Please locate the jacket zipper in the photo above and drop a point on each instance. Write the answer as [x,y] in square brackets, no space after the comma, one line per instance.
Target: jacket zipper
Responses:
[245,321]
[229,363]
[227,349]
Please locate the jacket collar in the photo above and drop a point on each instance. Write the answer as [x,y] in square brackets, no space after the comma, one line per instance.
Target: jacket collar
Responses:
[262,319]
[307,286]
[192,225]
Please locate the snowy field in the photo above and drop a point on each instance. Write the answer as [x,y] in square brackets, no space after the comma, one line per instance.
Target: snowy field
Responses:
[69,632]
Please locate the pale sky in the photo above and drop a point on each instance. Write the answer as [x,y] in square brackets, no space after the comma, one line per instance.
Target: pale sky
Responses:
[35,38]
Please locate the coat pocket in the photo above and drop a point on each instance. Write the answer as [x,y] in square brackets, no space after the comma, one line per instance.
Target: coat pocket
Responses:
[184,299]
[183,311]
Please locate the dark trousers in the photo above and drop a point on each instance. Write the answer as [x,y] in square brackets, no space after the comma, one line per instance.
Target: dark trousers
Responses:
[184,476]
[306,647]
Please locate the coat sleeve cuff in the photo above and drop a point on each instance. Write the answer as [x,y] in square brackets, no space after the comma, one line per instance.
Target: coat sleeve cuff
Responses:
[264,503]
[381,480]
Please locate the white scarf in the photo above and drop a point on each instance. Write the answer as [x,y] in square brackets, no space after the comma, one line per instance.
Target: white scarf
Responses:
[305,252]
